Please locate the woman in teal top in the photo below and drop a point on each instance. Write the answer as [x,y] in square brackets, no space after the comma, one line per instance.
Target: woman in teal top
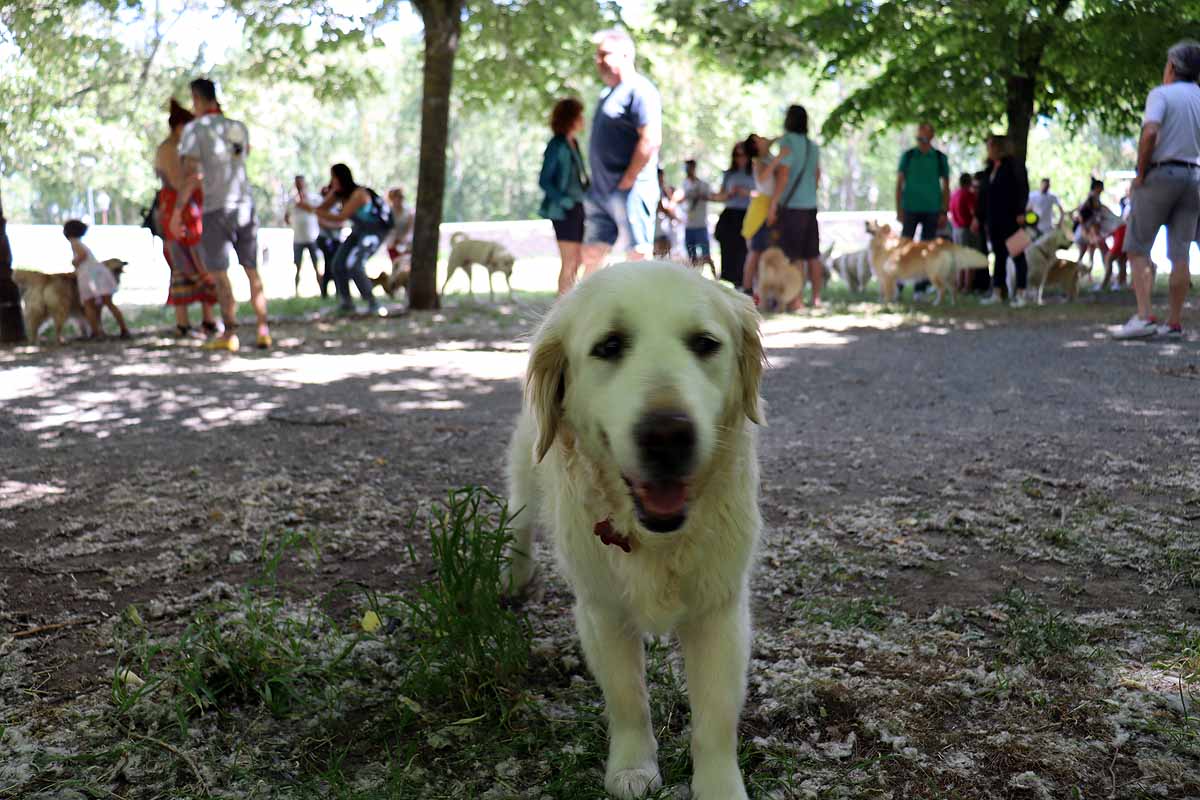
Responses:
[564,180]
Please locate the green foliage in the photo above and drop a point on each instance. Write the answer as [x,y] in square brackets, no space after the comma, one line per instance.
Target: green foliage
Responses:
[964,66]
[1033,631]
[465,642]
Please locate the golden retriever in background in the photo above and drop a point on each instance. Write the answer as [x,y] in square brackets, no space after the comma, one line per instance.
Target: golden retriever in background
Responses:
[493,257]
[781,281]
[637,451]
[938,261]
[55,296]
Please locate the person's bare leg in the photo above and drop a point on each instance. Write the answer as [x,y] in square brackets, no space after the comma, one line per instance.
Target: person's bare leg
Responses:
[91,310]
[1180,282]
[1143,284]
[182,320]
[258,299]
[226,302]
[117,315]
[206,313]
[569,252]
[750,270]
[816,274]
[593,257]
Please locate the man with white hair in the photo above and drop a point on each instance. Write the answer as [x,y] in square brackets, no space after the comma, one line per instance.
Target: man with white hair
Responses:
[626,134]
[1166,190]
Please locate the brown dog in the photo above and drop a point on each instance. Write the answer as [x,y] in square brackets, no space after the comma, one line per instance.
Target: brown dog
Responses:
[55,295]
[394,281]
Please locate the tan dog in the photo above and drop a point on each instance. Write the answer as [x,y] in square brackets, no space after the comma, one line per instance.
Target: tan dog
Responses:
[465,252]
[55,295]
[394,281]
[781,281]
[938,261]
[1044,263]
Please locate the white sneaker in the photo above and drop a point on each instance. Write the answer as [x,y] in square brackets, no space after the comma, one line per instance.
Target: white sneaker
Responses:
[1167,332]
[989,300]
[1136,328]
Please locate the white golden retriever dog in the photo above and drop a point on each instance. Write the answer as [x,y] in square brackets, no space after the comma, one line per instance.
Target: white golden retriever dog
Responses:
[636,448]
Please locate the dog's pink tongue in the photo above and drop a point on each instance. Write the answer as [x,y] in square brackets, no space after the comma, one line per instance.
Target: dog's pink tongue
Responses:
[663,498]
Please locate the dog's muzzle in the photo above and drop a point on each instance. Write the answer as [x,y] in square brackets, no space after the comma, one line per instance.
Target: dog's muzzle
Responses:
[666,446]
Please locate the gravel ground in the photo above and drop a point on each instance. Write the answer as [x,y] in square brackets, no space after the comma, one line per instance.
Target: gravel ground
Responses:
[979,577]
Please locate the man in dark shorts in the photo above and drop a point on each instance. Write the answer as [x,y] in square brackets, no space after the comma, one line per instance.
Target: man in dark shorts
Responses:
[213,150]
[623,151]
[793,211]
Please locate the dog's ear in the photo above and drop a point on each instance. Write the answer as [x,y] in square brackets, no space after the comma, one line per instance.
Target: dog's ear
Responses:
[751,357]
[546,386]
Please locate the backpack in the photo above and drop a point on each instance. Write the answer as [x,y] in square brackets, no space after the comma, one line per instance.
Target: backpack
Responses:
[381,212]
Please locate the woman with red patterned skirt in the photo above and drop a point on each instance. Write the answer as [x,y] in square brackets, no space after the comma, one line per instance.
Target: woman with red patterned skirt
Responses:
[190,282]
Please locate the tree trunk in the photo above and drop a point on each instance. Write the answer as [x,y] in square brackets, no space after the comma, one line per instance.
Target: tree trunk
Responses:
[442,20]
[1019,113]
[12,324]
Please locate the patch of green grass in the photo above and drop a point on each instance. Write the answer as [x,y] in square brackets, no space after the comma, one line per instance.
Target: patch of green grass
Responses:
[466,641]
[1034,632]
[843,613]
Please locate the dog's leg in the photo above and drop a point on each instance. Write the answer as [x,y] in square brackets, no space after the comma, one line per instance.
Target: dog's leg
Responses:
[616,657]
[449,275]
[491,291]
[508,281]
[716,653]
[523,501]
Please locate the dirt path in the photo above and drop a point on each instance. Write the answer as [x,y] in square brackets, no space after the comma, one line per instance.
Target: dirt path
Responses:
[919,474]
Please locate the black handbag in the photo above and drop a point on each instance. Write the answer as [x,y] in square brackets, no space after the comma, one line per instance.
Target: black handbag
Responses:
[150,218]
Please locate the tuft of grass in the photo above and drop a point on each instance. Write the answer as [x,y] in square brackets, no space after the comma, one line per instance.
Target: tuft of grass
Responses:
[844,613]
[466,643]
[1034,632]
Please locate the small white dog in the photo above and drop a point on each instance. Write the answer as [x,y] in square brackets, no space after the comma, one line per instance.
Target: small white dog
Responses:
[493,257]
[636,448]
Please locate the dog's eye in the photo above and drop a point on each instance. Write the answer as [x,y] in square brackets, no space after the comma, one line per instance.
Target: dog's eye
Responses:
[703,344]
[610,348]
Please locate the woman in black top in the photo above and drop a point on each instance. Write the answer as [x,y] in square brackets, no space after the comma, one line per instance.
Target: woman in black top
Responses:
[1007,192]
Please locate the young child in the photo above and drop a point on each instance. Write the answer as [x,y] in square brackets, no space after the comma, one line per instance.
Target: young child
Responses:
[96,281]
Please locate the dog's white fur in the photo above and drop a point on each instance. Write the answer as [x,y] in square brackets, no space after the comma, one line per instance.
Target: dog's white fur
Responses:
[854,268]
[493,257]
[573,445]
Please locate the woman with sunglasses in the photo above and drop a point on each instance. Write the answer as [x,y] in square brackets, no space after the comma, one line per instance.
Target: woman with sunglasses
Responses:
[737,185]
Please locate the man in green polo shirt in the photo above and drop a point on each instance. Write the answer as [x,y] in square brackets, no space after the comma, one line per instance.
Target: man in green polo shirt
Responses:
[923,187]
[923,190]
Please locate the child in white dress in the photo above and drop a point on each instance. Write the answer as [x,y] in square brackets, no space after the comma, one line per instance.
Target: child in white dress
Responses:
[97,284]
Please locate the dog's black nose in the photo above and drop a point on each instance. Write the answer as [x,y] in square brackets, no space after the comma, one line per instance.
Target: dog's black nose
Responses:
[667,443]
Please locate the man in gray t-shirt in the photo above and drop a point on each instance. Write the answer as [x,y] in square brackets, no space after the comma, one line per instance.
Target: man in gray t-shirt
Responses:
[623,150]
[213,150]
[1166,190]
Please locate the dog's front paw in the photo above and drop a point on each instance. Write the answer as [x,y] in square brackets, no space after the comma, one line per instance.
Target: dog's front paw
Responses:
[629,784]
[727,785]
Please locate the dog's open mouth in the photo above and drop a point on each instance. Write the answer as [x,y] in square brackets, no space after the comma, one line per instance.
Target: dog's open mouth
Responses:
[661,505]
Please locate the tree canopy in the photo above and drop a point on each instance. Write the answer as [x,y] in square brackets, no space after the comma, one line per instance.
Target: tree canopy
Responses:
[964,66]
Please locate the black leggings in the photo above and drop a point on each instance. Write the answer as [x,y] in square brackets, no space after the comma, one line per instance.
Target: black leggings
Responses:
[1000,251]
[350,262]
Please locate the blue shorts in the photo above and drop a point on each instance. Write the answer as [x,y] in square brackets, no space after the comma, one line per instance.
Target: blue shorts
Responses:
[623,220]
[696,242]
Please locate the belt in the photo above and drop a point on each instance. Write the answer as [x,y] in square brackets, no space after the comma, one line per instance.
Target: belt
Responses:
[1175,163]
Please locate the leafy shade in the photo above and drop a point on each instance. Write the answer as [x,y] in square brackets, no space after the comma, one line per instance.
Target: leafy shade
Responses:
[966,67]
